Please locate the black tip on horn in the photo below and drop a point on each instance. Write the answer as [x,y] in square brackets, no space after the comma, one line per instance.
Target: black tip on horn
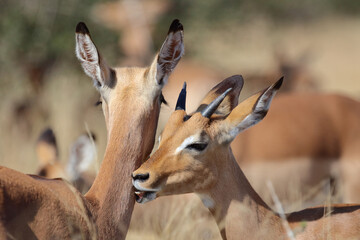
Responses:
[211,108]
[181,102]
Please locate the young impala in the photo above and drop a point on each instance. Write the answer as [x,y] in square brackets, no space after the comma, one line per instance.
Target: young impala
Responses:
[33,207]
[194,155]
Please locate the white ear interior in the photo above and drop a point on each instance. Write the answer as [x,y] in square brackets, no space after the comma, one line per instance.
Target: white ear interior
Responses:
[88,56]
[259,111]
[263,104]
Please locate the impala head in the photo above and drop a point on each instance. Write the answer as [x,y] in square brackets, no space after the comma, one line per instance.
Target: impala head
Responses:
[192,146]
[130,96]
[46,148]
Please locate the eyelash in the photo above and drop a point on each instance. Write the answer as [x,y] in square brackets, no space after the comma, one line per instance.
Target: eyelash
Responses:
[197,146]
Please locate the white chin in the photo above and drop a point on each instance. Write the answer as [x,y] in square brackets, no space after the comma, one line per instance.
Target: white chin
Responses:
[144,197]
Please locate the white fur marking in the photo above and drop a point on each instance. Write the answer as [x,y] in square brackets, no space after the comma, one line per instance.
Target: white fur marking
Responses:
[252,119]
[265,99]
[136,184]
[85,48]
[186,142]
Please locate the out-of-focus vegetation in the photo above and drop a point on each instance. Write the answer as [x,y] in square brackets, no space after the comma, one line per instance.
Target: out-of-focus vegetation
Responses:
[37,34]
[216,14]
[41,82]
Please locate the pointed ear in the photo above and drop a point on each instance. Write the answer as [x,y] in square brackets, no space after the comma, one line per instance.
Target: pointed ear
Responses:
[91,61]
[236,83]
[248,113]
[82,155]
[46,147]
[170,53]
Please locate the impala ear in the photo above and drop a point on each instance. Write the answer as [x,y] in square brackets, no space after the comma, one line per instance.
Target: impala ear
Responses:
[46,148]
[236,83]
[91,61]
[248,113]
[82,155]
[170,53]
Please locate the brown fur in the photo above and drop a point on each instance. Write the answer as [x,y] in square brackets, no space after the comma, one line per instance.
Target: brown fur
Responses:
[51,209]
[214,174]
[319,128]
[51,167]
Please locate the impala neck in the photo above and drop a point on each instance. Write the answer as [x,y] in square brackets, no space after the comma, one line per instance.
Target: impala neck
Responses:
[239,211]
[111,195]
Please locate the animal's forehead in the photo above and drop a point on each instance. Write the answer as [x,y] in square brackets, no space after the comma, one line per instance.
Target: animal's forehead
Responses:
[178,129]
[127,75]
[132,85]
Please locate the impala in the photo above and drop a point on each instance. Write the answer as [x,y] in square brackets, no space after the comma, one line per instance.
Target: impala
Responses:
[82,155]
[306,136]
[34,207]
[194,155]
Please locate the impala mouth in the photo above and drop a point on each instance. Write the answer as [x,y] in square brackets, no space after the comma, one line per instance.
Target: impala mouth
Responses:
[143,195]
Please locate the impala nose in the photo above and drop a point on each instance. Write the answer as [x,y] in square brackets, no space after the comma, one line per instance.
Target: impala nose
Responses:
[141,176]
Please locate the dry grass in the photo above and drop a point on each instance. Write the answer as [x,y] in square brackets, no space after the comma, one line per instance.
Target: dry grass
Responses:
[176,217]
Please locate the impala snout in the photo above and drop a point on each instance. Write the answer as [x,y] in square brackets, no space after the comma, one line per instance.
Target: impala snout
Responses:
[143,191]
[141,176]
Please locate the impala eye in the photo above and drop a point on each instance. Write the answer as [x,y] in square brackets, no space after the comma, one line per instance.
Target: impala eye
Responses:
[197,146]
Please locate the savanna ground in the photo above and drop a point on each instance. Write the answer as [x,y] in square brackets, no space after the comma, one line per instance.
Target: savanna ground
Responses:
[65,100]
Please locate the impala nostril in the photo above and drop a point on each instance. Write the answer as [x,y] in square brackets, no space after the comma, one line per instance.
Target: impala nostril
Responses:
[141,177]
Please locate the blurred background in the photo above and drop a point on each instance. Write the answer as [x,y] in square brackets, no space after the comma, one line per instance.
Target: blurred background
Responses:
[315,44]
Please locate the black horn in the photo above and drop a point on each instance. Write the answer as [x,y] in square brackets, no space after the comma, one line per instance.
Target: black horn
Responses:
[211,108]
[181,102]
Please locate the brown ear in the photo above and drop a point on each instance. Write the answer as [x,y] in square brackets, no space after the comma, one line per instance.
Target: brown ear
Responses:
[91,61]
[170,53]
[236,83]
[249,112]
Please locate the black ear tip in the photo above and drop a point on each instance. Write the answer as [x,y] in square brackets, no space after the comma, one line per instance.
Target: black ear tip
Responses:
[82,28]
[278,84]
[237,77]
[176,26]
[48,136]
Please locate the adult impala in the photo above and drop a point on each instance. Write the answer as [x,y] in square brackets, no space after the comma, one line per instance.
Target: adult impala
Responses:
[194,155]
[34,207]
[308,137]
